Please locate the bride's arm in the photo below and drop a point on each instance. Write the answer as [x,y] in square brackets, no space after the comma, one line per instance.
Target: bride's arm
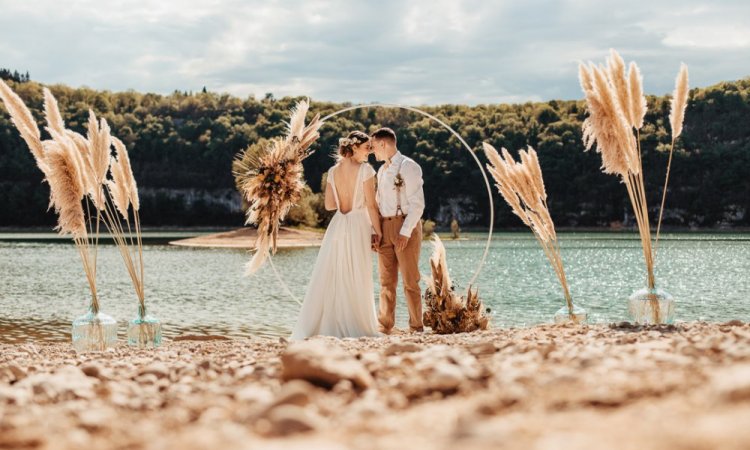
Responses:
[330,199]
[372,206]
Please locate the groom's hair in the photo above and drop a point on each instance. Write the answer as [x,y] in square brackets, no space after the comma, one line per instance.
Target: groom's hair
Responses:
[385,134]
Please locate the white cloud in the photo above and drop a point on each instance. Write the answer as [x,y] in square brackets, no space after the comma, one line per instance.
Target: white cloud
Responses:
[709,37]
[417,52]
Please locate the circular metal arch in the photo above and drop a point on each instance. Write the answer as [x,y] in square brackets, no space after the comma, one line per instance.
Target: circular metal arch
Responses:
[468,148]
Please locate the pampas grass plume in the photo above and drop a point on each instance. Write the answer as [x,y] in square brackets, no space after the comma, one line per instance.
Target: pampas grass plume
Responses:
[637,99]
[66,191]
[679,102]
[52,113]
[25,123]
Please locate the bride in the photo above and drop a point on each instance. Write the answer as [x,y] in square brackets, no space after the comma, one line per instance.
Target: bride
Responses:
[340,300]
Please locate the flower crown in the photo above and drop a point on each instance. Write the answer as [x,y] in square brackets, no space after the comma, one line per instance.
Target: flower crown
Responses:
[347,142]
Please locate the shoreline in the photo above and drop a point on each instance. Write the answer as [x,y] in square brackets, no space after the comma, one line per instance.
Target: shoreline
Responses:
[296,238]
[440,230]
[546,386]
[244,238]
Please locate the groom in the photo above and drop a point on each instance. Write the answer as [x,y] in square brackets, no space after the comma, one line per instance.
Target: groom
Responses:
[401,202]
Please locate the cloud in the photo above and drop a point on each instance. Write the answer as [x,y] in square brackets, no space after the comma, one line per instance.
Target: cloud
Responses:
[417,52]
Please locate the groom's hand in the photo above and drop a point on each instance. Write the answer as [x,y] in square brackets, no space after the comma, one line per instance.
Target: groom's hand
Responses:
[401,243]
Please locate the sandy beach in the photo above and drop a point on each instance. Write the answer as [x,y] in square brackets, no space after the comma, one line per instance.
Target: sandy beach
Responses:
[245,238]
[600,386]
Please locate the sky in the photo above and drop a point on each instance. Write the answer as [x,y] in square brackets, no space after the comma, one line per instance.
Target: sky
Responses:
[418,52]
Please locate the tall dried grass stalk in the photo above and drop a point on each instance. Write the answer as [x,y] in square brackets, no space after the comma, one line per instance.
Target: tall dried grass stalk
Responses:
[522,186]
[271,182]
[100,143]
[66,190]
[676,118]
[638,105]
[621,85]
[76,168]
[25,124]
[679,102]
[610,125]
[122,189]
[63,170]
[445,311]
[52,113]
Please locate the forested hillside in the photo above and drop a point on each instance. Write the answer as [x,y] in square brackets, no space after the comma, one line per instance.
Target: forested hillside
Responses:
[182,146]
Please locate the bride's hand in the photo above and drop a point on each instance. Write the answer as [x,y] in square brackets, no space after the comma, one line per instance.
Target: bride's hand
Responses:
[375,242]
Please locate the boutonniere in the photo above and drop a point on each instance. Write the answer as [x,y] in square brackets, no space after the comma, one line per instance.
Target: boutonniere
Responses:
[398,182]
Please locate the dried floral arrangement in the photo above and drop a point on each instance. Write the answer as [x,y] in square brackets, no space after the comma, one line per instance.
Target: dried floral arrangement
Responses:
[445,311]
[616,109]
[522,186]
[271,180]
[89,185]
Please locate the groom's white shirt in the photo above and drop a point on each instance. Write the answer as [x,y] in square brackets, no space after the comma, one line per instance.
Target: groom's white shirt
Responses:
[412,195]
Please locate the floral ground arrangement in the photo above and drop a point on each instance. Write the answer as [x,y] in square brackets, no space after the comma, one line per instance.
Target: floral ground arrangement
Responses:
[617,386]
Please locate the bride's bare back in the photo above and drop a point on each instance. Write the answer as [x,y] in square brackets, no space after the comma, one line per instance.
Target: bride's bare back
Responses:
[347,174]
[343,186]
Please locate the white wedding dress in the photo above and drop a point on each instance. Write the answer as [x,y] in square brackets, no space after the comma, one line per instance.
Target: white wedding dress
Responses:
[340,300]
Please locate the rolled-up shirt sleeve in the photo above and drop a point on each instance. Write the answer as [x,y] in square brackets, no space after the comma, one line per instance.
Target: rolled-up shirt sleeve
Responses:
[414,193]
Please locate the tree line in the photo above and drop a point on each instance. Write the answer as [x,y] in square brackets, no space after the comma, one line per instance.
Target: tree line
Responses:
[182,146]
[6,74]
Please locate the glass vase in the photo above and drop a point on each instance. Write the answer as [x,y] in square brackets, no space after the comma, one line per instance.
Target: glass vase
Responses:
[94,332]
[144,331]
[651,306]
[564,315]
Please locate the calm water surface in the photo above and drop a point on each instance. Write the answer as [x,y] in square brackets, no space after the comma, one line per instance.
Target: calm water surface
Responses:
[42,286]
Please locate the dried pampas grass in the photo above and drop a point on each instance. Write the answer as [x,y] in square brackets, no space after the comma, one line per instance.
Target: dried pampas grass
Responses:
[272,181]
[638,105]
[611,123]
[100,143]
[611,128]
[25,124]
[118,188]
[127,172]
[676,118]
[679,102]
[123,196]
[620,84]
[66,189]
[445,311]
[522,186]
[76,168]
[52,113]
[607,125]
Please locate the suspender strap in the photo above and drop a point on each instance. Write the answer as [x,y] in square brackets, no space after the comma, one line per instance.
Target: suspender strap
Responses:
[399,211]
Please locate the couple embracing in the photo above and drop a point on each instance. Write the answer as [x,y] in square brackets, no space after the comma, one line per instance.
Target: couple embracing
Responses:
[381,212]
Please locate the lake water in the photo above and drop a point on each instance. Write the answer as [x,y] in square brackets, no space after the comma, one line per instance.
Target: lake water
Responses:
[197,290]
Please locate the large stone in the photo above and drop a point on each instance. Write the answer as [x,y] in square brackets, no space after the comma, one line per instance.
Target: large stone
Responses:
[402,347]
[156,368]
[11,373]
[14,395]
[92,369]
[482,348]
[733,384]
[295,392]
[69,382]
[290,419]
[253,394]
[323,365]
[444,377]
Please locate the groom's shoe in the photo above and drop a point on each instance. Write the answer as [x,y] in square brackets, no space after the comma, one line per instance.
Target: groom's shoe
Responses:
[417,330]
[384,330]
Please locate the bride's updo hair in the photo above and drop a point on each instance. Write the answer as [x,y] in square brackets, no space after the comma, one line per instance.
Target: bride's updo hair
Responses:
[347,144]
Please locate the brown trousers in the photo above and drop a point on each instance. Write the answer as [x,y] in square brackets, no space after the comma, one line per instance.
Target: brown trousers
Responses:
[390,263]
